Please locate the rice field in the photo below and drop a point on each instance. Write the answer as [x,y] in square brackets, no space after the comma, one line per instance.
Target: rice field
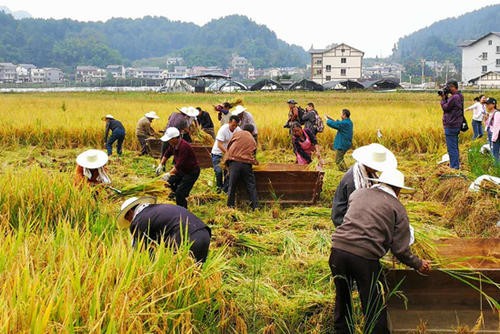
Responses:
[66,268]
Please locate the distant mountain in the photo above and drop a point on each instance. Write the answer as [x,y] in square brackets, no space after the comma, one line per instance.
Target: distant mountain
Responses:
[440,40]
[20,14]
[67,43]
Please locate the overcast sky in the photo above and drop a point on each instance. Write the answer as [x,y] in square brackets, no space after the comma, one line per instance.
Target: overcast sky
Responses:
[371,26]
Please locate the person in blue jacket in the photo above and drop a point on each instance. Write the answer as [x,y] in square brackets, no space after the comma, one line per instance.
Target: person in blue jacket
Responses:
[343,138]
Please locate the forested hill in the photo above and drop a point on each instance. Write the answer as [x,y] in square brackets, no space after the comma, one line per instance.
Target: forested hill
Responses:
[67,43]
[440,40]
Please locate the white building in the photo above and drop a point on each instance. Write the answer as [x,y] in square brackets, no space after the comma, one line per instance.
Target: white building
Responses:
[336,62]
[489,79]
[23,72]
[53,75]
[117,71]
[480,56]
[7,73]
[37,75]
[89,74]
[151,72]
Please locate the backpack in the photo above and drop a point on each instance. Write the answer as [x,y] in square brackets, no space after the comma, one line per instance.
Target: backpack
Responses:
[318,122]
[301,112]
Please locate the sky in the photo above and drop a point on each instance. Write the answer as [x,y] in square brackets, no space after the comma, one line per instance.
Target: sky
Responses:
[370,26]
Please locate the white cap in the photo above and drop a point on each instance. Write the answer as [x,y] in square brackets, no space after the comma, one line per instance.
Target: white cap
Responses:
[170,133]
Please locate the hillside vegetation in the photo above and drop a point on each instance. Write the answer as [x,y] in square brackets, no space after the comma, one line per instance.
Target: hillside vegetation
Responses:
[66,43]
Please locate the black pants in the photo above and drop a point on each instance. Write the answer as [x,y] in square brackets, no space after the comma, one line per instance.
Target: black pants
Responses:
[241,172]
[347,268]
[181,184]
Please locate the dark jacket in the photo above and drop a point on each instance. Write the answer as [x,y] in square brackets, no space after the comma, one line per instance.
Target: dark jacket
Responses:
[374,223]
[453,111]
[184,158]
[113,125]
[165,222]
[343,139]
[341,197]
[205,120]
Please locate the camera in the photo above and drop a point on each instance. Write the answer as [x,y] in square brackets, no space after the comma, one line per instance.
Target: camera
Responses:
[445,91]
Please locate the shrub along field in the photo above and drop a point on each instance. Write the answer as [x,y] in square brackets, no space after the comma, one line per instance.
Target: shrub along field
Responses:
[64,266]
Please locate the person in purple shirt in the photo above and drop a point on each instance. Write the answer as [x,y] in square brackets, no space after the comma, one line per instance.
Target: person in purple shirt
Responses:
[186,170]
[453,116]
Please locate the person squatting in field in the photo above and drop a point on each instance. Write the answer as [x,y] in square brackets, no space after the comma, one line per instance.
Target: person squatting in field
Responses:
[152,224]
[90,168]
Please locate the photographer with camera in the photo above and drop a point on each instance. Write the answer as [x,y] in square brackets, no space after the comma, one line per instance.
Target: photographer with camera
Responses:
[452,103]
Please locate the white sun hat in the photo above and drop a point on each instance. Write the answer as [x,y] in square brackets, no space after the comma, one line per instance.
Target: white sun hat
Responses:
[190,111]
[375,156]
[152,114]
[444,158]
[109,116]
[92,159]
[392,177]
[170,133]
[129,204]
[238,110]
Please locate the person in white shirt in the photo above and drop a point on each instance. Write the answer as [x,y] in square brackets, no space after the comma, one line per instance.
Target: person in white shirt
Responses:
[478,113]
[223,137]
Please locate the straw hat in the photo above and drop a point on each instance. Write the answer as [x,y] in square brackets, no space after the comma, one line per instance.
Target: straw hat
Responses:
[189,111]
[129,204]
[108,116]
[92,159]
[444,158]
[375,156]
[238,110]
[392,177]
[170,133]
[152,114]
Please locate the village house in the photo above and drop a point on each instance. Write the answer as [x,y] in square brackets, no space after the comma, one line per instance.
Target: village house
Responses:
[23,72]
[37,75]
[116,71]
[89,74]
[336,62]
[152,72]
[480,57]
[53,75]
[7,73]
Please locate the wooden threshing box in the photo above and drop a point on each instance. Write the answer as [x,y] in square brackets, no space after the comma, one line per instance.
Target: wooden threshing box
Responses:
[285,183]
[202,152]
[445,303]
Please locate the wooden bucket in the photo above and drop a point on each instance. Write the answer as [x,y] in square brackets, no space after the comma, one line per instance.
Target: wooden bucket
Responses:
[444,302]
[202,152]
[285,183]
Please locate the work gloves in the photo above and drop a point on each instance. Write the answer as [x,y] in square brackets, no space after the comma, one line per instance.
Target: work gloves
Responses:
[159,169]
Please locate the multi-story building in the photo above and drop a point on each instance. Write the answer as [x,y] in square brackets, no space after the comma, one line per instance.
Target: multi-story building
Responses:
[480,56]
[23,72]
[89,74]
[7,73]
[153,72]
[53,75]
[37,75]
[336,62]
[117,71]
